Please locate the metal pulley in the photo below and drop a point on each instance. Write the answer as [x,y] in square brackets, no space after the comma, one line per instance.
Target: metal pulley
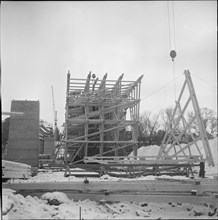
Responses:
[173,54]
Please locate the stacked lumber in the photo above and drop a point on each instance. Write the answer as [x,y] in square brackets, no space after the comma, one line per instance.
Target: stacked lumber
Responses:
[15,170]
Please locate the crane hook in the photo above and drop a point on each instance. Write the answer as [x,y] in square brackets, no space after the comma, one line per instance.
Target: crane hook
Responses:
[173,54]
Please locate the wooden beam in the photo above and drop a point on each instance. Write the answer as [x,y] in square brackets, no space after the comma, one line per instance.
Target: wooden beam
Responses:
[98,132]
[105,142]
[177,138]
[130,186]
[150,191]
[161,162]
[127,104]
[86,89]
[12,113]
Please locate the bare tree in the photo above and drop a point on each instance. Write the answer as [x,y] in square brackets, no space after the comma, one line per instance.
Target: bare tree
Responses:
[169,120]
[149,125]
[213,126]
[194,125]
[209,121]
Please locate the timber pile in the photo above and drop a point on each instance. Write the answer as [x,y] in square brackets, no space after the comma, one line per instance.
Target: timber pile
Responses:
[15,170]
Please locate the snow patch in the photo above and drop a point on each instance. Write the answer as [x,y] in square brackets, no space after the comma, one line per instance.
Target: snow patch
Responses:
[55,198]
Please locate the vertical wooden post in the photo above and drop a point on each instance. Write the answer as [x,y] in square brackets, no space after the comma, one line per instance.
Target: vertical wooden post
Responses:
[80,213]
[66,116]
[102,114]
[86,126]
[102,125]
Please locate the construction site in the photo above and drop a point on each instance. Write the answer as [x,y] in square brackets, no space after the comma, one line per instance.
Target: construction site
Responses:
[101,130]
[97,167]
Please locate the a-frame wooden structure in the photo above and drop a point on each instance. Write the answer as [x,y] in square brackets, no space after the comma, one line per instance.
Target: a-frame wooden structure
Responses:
[95,116]
[171,147]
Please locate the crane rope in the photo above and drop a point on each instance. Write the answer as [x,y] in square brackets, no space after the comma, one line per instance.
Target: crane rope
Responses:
[169,25]
[172,52]
[174,80]
[172,43]
[174,32]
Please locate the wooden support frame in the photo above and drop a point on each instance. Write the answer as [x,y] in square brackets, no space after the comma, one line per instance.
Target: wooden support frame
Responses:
[158,190]
[96,115]
[166,146]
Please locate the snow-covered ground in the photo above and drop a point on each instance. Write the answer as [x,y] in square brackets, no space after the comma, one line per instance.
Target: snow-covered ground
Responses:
[57,205]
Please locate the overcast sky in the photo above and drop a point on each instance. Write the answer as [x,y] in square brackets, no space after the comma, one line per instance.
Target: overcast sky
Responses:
[40,41]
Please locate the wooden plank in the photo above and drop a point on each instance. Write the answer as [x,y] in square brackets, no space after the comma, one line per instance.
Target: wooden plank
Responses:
[106,142]
[88,174]
[140,157]
[105,131]
[124,81]
[14,164]
[188,145]
[16,170]
[159,198]
[45,160]
[146,162]
[176,180]
[139,186]
[147,198]
[107,110]
[12,113]
[97,121]
[11,173]
[15,175]
[128,158]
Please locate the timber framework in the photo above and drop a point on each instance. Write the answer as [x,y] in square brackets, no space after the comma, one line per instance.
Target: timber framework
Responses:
[101,116]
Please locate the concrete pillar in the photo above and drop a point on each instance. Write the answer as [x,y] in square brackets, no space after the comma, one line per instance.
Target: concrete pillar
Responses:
[23,141]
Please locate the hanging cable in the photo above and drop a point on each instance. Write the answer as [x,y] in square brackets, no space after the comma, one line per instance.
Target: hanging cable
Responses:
[213,85]
[174,32]
[168,12]
[174,78]
[162,87]
[172,44]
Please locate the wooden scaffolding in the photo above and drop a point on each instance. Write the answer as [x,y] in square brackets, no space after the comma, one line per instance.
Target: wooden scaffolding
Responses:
[171,148]
[100,116]
[173,158]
